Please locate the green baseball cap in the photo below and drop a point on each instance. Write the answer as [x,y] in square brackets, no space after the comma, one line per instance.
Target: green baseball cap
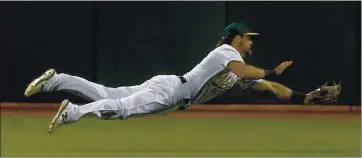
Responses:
[238,29]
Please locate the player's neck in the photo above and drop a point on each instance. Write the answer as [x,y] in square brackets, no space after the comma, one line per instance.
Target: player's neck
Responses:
[237,48]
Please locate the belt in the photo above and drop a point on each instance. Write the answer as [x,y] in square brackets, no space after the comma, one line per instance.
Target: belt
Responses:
[183,79]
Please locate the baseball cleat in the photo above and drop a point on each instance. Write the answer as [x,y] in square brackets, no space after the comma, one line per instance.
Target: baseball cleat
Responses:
[38,84]
[61,118]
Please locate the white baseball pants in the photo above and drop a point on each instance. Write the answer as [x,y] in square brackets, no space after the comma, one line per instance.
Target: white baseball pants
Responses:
[157,94]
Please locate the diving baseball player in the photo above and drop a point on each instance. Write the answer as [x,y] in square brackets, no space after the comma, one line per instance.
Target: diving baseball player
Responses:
[218,72]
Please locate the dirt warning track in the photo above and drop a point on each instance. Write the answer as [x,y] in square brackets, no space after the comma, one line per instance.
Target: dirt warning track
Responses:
[214,111]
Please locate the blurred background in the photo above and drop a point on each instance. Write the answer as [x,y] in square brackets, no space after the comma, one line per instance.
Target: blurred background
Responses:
[126,43]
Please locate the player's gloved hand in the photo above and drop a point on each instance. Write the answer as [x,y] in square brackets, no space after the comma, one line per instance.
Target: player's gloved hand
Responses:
[280,68]
[324,94]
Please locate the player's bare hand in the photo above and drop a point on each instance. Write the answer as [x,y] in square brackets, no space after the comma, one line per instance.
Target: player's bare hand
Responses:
[280,68]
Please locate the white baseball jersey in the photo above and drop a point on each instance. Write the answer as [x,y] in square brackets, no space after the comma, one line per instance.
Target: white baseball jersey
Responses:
[212,77]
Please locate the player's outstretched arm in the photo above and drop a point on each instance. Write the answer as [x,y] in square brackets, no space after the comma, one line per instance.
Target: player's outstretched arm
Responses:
[280,91]
[324,94]
[251,72]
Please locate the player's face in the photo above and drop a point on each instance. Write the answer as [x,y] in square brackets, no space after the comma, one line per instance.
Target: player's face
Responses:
[245,45]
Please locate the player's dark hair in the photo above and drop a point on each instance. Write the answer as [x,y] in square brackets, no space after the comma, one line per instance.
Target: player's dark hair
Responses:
[229,38]
[225,40]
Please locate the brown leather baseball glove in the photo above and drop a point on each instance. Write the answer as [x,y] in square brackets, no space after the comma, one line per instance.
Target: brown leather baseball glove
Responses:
[324,94]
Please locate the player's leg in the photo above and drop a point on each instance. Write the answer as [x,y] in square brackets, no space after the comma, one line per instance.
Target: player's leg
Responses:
[159,96]
[51,81]
[142,102]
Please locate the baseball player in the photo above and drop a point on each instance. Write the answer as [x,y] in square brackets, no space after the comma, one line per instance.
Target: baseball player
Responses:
[218,72]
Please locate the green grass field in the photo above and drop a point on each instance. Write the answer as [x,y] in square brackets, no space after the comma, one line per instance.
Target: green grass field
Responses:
[162,136]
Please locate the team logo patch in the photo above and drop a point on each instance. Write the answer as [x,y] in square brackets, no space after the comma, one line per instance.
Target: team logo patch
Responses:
[225,80]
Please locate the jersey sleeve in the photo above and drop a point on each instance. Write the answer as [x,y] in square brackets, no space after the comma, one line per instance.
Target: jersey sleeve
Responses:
[226,54]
